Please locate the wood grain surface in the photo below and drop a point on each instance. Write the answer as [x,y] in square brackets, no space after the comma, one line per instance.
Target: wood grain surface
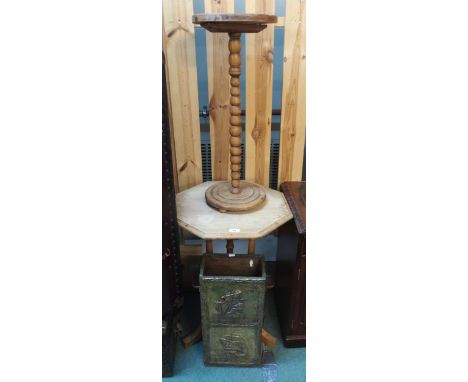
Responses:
[218,92]
[259,91]
[179,42]
[293,107]
[234,23]
[196,216]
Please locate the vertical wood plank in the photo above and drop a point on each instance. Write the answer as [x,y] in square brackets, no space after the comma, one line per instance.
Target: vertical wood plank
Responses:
[259,92]
[218,92]
[169,117]
[293,98]
[179,42]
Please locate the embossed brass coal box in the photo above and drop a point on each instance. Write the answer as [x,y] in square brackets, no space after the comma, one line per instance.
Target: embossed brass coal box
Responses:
[232,293]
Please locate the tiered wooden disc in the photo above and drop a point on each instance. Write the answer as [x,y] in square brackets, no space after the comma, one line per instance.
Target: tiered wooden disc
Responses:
[220,196]
[235,195]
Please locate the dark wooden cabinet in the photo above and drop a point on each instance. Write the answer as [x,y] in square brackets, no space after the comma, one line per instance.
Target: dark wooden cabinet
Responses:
[172,296]
[290,289]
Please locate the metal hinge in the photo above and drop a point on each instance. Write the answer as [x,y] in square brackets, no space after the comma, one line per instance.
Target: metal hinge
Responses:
[299,274]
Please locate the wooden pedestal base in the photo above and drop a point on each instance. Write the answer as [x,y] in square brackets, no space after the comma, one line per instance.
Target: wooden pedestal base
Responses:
[219,196]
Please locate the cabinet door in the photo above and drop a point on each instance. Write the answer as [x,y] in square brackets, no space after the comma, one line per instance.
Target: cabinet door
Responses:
[299,295]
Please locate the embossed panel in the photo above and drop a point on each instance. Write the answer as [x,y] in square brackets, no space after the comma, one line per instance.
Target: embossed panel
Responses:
[232,293]
[233,302]
[233,345]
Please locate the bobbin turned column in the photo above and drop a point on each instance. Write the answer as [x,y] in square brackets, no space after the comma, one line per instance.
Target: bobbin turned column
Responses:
[234,195]
[236,119]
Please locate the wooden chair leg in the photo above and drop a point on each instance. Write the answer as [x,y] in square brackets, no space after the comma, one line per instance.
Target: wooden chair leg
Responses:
[252,247]
[268,339]
[192,338]
[230,246]
[209,247]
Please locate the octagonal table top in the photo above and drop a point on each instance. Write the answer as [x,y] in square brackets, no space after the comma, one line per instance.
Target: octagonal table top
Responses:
[196,216]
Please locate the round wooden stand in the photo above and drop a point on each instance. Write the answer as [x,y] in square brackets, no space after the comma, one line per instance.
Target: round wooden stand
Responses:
[234,196]
[219,196]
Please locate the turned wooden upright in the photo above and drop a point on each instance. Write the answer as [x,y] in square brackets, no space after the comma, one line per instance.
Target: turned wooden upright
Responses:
[236,195]
[236,119]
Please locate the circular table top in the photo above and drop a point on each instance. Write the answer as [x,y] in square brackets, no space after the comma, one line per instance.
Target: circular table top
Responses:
[234,22]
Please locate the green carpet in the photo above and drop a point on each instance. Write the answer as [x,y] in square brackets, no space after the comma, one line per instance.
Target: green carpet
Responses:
[189,364]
